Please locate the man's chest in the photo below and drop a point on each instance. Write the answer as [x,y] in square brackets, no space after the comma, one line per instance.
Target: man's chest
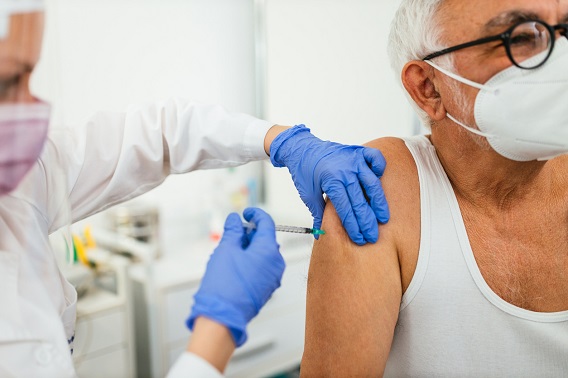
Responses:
[524,262]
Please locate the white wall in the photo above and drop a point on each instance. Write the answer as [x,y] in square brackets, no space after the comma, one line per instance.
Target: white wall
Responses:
[106,54]
[327,67]
[111,53]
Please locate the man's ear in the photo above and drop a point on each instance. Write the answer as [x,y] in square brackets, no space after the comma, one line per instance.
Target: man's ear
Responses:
[417,78]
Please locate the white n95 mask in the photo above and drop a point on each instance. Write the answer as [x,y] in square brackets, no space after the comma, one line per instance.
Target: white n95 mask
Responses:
[524,113]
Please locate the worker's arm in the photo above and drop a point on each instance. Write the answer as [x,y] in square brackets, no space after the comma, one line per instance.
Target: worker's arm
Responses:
[117,156]
[272,133]
[208,353]
[212,341]
[354,292]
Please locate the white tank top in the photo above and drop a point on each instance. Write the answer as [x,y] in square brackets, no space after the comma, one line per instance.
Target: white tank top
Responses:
[451,324]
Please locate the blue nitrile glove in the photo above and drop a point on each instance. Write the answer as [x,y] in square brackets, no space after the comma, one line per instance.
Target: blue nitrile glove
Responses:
[341,172]
[242,273]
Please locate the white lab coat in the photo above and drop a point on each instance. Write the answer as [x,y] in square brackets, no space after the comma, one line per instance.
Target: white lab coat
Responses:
[112,158]
[191,365]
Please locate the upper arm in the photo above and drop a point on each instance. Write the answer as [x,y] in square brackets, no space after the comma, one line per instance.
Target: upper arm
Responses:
[353,299]
[354,292]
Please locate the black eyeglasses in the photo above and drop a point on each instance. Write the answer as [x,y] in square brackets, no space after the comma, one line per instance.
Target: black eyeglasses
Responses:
[523,42]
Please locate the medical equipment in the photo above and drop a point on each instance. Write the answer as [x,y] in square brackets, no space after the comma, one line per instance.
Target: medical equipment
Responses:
[292,229]
[138,220]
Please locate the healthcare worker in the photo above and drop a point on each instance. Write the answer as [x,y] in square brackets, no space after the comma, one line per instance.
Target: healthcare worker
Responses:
[50,180]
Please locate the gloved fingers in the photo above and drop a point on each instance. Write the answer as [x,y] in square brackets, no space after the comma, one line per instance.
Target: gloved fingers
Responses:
[317,225]
[266,258]
[316,204]
[234,230]
[340,200]
[375,160]
[365,216]
[374,190]
[265,229]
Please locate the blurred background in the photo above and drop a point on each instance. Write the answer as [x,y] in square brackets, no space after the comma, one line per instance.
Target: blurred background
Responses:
[322,63]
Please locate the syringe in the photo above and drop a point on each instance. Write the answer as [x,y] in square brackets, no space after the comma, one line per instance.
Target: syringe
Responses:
[293,229]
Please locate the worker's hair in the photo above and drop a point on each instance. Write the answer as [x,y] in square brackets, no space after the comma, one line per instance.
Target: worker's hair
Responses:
[415,33]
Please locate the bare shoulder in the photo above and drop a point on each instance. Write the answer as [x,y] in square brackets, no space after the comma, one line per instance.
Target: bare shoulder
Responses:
[400,163]
[402,189]
[354,292]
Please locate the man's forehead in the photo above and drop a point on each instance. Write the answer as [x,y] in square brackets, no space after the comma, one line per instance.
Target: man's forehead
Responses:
[487,15]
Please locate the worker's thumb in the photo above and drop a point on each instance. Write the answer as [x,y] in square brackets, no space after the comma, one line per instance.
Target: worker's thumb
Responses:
[234,230]
[375,160]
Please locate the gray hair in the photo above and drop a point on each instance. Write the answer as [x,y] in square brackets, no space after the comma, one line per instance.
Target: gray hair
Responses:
[414,34]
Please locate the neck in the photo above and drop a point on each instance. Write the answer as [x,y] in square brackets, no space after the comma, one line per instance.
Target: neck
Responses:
[484,178]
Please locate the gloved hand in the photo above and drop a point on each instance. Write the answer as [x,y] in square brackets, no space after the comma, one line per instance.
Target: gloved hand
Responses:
[242,273]
[341,172]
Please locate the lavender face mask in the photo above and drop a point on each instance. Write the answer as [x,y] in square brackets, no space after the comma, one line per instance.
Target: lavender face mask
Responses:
[23,132]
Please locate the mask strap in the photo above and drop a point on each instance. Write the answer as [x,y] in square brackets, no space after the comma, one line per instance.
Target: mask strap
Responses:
[460,79]
[470,129]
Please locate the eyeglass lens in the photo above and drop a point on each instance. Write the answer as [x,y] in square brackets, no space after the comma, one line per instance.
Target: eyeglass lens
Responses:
[530,40]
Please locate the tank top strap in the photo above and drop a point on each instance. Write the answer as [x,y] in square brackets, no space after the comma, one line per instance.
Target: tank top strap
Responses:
[435,192]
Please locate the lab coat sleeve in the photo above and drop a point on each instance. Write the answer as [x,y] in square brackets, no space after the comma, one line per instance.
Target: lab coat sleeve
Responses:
[191,365]
[114,157]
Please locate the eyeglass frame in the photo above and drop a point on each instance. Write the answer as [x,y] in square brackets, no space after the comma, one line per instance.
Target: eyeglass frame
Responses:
[505,37]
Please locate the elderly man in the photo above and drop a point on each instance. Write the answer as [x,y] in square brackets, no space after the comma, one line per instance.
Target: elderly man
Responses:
[469,278]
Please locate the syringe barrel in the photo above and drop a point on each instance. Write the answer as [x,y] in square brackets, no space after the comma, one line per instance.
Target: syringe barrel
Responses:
[297,230]
[294,229]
